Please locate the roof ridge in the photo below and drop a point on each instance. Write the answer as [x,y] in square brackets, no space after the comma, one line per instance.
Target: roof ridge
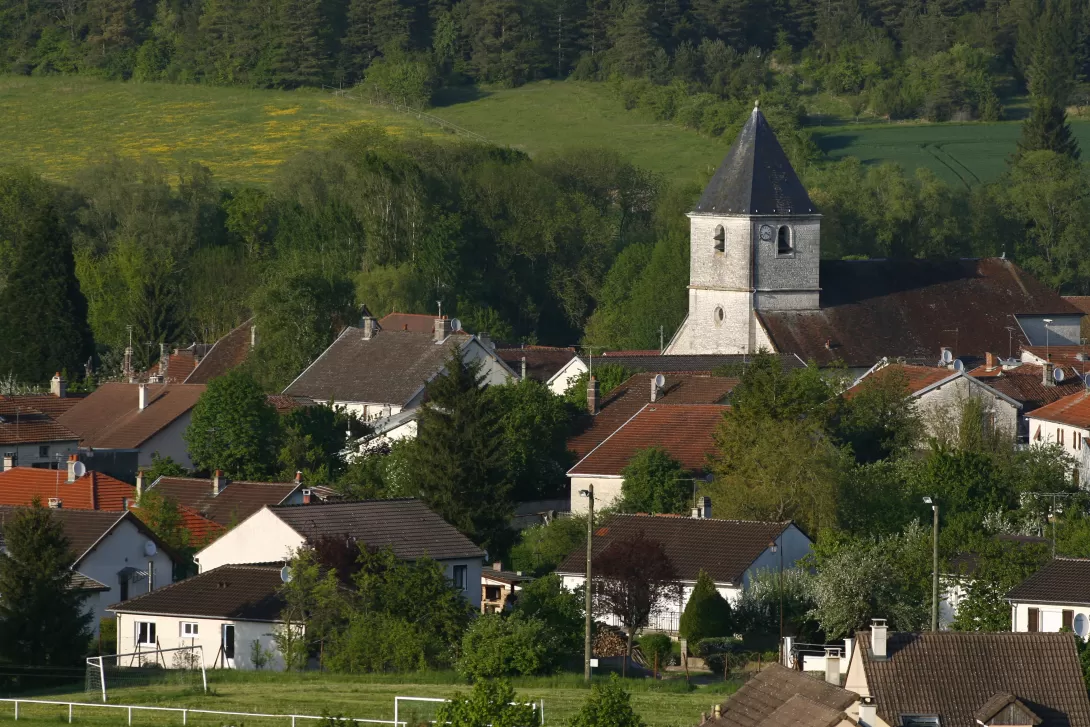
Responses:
[350,502]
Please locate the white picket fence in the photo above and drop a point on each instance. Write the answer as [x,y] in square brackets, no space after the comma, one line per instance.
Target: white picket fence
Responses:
[185,712]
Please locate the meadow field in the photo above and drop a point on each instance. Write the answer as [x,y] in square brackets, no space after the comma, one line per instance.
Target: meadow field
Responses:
[669,703]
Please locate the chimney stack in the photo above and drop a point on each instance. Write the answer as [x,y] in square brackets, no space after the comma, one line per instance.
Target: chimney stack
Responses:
[523,372]
[306,496]
[298,477]
[55,503]
[654,390]
[9,462]
[878,634]
[58,387]
[832,666]
[990,361]
[439,332]
[139,484]
[218,483]
[73,460]
[868,712]
[497,566]
[142,397]
[368,325]
[592,396]
[486,341]
[706,508]
[1046,374]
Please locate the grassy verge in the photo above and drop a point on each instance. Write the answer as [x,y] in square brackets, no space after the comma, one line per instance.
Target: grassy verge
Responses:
[667,703]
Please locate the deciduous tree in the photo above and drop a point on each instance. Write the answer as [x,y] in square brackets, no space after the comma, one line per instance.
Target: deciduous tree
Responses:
[234,428]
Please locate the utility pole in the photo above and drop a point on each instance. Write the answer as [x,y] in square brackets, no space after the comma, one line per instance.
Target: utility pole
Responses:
[934,503]
[589,494]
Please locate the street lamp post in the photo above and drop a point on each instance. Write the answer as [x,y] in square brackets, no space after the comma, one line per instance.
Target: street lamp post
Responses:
[934,503]
[776,548]
[1047,357]
[589,494]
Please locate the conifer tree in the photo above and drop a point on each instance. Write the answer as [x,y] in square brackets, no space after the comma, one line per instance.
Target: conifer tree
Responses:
[42,618]
[707,614]
[456,465]
[1050,76]
[43,314]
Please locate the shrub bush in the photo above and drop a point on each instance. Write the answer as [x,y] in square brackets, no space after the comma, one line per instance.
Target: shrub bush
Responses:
[495,646]
[608,705]
[561,612]
[718,653]
[657,645]
[707,614]
[377,642]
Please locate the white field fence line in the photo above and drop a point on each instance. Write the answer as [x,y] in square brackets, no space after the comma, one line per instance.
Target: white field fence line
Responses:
[185,712]
[419,114]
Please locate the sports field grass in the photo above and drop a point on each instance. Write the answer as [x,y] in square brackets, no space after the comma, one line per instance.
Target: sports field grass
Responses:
[968,153]
[58,124]
[661,704]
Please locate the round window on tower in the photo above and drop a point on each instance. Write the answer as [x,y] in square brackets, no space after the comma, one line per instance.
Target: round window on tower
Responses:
[718,316]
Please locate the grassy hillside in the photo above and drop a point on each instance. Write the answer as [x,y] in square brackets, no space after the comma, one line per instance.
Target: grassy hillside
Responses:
[57,125]
[967,153]
[661,704]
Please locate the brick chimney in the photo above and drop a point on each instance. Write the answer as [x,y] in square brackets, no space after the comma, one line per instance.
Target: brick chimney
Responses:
[878,633]
[439,330]
[58,387]
[142,397]
[218,482]
[368,326]
[498,566]
[73,460]
[306,496]
[592,396]
[991,363]
[1046,374]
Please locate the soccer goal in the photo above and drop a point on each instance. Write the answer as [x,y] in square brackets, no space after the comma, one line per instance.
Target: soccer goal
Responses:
[181,665]
[412,711]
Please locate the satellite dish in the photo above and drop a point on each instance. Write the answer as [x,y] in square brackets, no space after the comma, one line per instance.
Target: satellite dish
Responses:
[959,365]
[1058,375]
[455,324]
[149,549]
[660,381]
[285,574]
[947,355]
[79,469]
[1086,380]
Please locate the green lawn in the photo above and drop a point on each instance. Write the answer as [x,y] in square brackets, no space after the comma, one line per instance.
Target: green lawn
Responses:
[661,704]
[970,153]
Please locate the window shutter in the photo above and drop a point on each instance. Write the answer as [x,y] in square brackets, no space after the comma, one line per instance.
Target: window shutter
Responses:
[1069,619]
[1034,620]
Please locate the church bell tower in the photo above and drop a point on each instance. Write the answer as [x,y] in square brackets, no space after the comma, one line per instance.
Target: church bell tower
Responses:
[755,244]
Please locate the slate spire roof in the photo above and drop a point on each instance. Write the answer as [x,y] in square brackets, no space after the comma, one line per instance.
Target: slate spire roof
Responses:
[755,177]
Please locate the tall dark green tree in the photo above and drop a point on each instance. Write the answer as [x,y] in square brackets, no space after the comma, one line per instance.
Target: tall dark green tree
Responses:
[457,465]
[234,428]
[655,482]
[43,314]
[1050,77]
[42,618]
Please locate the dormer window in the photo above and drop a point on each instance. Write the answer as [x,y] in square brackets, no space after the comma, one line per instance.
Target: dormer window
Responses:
[785,246]
[720,239]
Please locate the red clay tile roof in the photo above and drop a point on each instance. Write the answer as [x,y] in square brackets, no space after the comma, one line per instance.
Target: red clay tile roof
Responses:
[1061,580]
[909,308]
[93,491]
[954,674]
[47,404]
[723,548]
[1065,355]
[780,697]
[202,531]
[542,362]
[21,422]
[1024,383]
[1072,410]
[236,502]
[622,403]
[1082,302]
[685,431]
[917,378]
[227,353]
[110,418]
[285,404]
[180,365]
[239,592]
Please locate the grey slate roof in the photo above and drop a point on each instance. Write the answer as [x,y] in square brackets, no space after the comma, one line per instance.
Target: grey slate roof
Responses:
[243,592]
[390,368]
[689,363]
[955,675]
[406,525]
[1061,580]
[755,177]
[777,696]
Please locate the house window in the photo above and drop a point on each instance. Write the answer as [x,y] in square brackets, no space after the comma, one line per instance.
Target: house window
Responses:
[123,586]
[145,633]
[1068,620]
[1034,624]
[785,246]
[1078,441]
[460,576]
[720,238]
[189,629]
[1060,435]
[43,450]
